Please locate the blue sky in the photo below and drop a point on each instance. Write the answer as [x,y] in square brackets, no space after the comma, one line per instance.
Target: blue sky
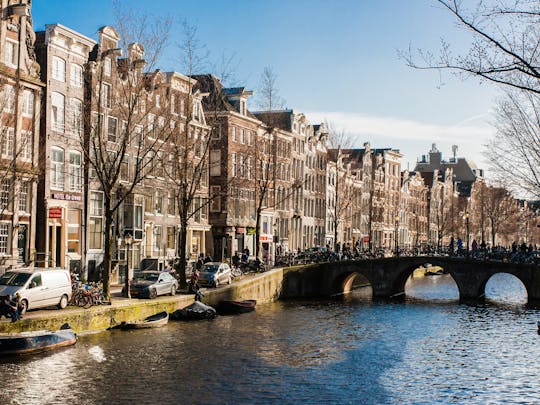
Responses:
[335,60]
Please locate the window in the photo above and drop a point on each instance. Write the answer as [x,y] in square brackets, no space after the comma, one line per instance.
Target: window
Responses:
[233,160]
[234,136]
[76,75]
[74,171]
[74,231]
[159,202]
[242,136]
[4,235]
[148,201]
[96,220]
[157,236]
[5,190]
[124,168]
[59,69]
[215,162]
[215,195]
[8,98]
[171,204]
[10,56]
[112,127]
[28,103]
[57,168]
[24,191]
[58,102]
[8,143]
[173,104]
[151,119]
[107,66]
[76,116]
[171,237]
[250,137]
[158,101]
[106,95]
[243,107]
[249,168]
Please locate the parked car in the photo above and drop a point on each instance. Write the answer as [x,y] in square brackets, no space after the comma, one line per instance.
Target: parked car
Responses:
[215,273]
[151,283]
[38,289]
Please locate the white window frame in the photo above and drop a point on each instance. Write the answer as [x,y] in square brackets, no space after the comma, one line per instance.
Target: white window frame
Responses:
[76,75]
[57,169]
[75,170]
[58,103]
[24,192]
[28,103]
[8,142]
[4,238]
[59,69]
[10,55]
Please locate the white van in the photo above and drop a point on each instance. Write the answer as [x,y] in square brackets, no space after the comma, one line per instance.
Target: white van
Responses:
[38,288]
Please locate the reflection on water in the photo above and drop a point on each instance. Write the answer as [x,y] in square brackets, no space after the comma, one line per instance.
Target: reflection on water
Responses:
[350,350]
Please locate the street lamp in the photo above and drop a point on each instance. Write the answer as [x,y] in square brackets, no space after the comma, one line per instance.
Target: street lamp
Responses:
[467,226]
[396,236]
[128,240]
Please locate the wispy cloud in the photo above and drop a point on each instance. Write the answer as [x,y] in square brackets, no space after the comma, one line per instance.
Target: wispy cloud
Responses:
[412,138]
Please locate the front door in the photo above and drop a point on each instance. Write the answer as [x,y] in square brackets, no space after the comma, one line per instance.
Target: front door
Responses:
[58,247]
[21,242]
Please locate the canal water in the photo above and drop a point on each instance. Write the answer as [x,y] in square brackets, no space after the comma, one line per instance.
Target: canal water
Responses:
[428,349]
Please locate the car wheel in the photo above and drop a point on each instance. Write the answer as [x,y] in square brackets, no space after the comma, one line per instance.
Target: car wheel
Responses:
[23,307]
[63,302]
[173,290]
[152,294]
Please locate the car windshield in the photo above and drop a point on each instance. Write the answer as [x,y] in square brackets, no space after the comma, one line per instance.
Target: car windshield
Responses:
[148,276]
[210,268]
[14,279]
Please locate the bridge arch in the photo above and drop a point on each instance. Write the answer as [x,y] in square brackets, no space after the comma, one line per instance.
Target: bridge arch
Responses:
[515,287]
[347,281]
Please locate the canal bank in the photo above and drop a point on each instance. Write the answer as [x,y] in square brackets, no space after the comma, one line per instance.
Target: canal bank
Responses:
[263,287]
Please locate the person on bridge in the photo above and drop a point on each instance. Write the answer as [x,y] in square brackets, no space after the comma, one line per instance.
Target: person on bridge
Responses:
[451,246]
[474,246]
[459,245]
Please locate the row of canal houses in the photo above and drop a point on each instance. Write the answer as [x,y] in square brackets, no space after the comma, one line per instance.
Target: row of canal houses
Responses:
[73,105]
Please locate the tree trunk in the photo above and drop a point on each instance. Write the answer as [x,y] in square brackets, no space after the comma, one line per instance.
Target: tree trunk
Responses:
[108,248]
[257,231]
[182,259]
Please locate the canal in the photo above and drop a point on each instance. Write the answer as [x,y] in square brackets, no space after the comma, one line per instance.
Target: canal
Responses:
[427,349]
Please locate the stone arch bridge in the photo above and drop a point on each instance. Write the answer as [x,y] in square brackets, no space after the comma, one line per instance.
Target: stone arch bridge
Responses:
[388,276]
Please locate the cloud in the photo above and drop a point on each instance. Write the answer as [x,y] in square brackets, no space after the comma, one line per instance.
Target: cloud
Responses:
[412,138]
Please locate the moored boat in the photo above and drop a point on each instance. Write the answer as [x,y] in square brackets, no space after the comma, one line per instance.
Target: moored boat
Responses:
[236,307]
[195,311]
[36,341]
[153,321]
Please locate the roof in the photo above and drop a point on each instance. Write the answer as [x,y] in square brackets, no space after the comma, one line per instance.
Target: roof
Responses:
[281,119]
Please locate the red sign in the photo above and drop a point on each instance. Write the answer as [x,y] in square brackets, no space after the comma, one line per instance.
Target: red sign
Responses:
[366,239]
[240,230]
[55,212]
[263,238]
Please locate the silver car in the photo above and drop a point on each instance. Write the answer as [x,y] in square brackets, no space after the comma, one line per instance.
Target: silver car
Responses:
[150,284]
[215,273]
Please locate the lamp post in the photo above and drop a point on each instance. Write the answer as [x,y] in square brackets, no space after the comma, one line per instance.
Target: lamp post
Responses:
[467,226]
[128,240]
[396,236]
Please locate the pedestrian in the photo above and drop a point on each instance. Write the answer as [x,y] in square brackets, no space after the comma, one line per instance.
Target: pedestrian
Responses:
[200,261]
[198,293]
[459,245]
[235,260]
[451,246]
[10,308]
[483,245]
[474,246]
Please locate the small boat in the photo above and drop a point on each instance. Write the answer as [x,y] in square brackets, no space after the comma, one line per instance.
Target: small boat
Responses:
[236,307]
[153,321]
[37,341]
[195,311]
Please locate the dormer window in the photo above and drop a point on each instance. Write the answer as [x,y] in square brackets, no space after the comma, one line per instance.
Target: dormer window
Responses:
[107,67]
[243,107]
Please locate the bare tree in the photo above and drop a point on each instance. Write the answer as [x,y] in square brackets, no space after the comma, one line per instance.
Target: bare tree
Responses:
[514,152]
[128,121]
[269,98]
[338,142]
[504,49]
